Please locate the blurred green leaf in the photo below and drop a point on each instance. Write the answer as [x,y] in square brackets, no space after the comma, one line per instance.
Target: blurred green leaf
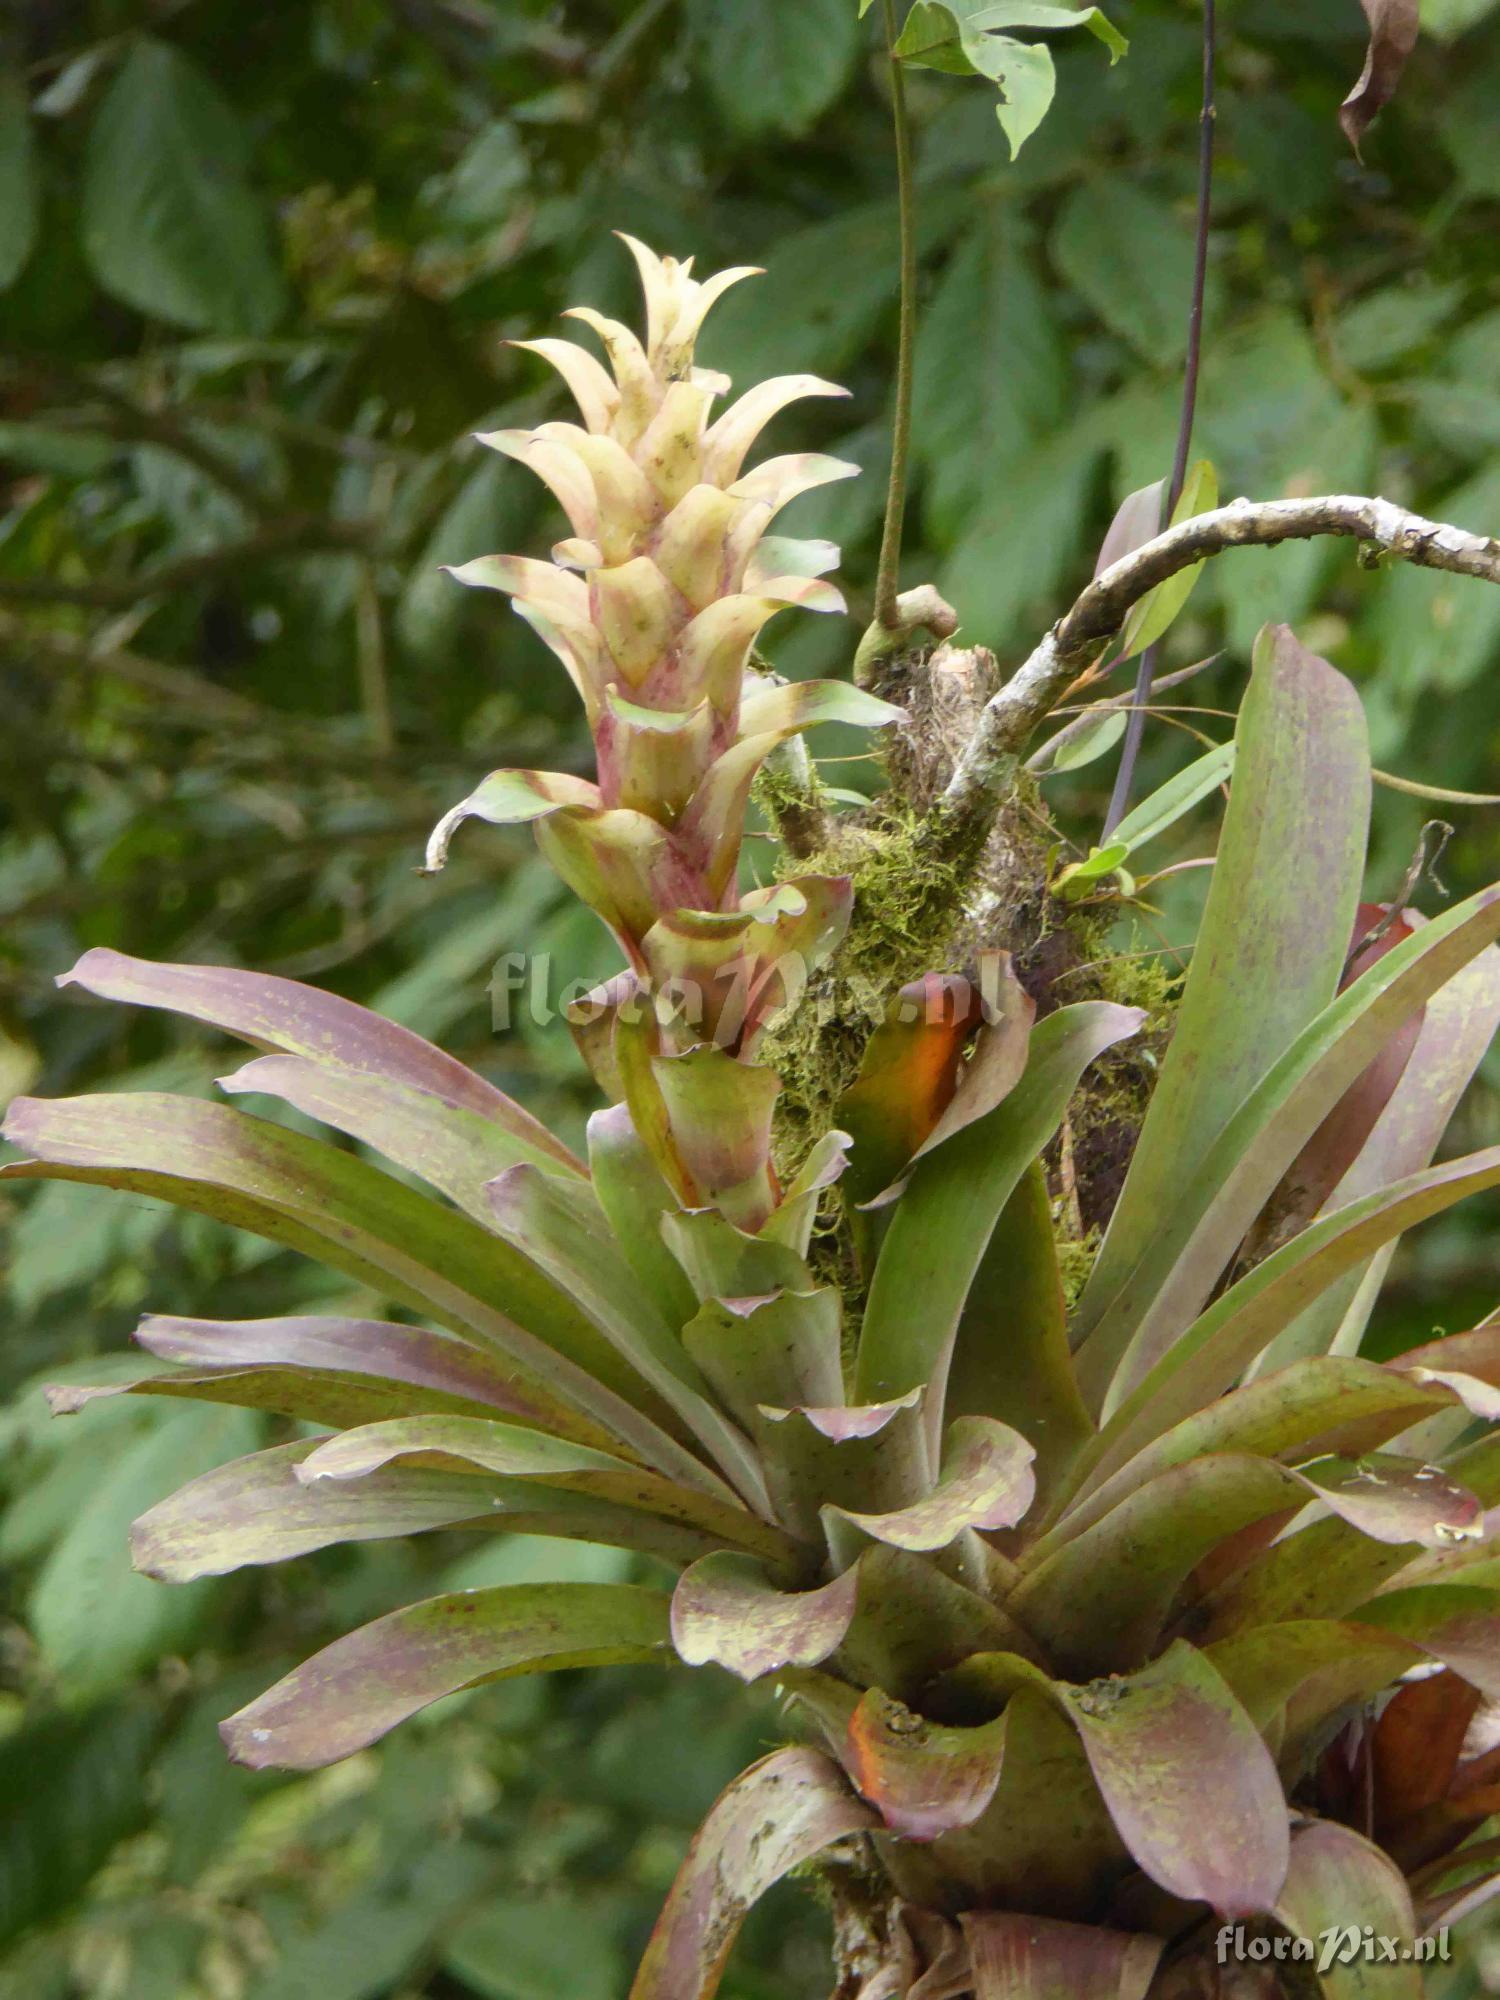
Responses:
[170,223]
[95,1621]
[773,65]
[20,205]
[1130,255]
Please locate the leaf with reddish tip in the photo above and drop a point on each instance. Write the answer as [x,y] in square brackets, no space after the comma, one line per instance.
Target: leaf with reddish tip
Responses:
[1265,962]
[780,1813]
[510,798]
[1040,1958]
[985,1482]
[907,1078]
[1393,36]
[723,1262]
[361,1686]
[727,1612]
[298,1020]
[1338,1882]
[1394,1499]
[924,1779]
[347,1214]
[1188,1782]
[842,1422]
[944,1219]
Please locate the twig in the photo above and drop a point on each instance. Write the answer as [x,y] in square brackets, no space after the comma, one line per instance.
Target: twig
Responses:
[1146,672]
[986,771]
[887,575]
[295,534]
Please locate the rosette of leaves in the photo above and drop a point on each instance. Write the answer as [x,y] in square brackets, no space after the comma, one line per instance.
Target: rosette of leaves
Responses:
[1096,1627]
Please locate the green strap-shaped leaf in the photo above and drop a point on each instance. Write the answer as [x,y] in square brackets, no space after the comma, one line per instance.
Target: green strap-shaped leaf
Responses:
[535,1213]
[1010,1357]
[361,1686]
[1342,1886]
[634,1197]
[1238,1326]
[780,1813]
[1458,1024]
[944,1219]
[1042,1958]
[298,1020]
[1245,1162]
[1269,951]
[1344,1403]
[1103,1597]
[375,1229]
[469,1444]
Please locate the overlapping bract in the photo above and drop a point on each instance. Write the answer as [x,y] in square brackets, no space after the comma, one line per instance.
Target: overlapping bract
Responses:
[653,605]
[1077,1604]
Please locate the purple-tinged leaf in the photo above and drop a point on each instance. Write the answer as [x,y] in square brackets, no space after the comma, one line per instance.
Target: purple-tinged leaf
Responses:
[907,1078]
[1450,1622]
[944,1219]
[985,1482]
[255,1510]
[1338,1882]
[1137,521]
[469,1444]
[844,1423]
[1046,1842]
[450,1147]
[1416,1746]
[1188,1782]
[1393,36]
[1038,1958]
[782,1812]
[1327,1403]
[1269,1665]
[1397,1500]
[1458,1024]
[923,1778]
[362,1222]
[727,1612]
[1268,957]
[912,1623]
[361,1686]
[298,1020]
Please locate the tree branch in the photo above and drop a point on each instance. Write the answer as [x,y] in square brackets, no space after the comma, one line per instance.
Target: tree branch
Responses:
[986,772]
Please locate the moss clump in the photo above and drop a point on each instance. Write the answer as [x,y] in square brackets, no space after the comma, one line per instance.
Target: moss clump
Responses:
[1075,1261]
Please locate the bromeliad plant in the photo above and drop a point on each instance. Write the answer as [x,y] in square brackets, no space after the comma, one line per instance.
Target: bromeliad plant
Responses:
[1086,1620]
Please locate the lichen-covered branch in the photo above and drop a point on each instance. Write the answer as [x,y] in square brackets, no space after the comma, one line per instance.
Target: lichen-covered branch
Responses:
[986,771]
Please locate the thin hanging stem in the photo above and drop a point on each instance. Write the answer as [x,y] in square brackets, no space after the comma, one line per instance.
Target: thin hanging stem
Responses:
[1146,672]
[886,577]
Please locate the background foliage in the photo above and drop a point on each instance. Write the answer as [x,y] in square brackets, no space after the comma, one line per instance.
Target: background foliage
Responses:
[259,267]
